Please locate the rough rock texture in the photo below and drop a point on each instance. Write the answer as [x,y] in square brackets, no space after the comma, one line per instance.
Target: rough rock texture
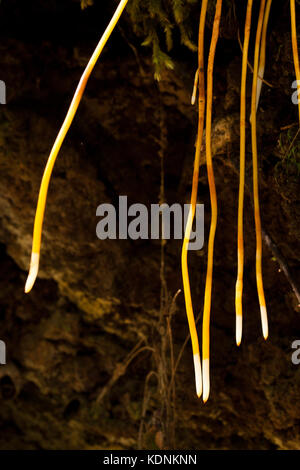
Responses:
[73,378]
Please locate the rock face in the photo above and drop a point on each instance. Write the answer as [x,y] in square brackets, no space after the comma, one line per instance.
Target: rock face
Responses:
[90,351]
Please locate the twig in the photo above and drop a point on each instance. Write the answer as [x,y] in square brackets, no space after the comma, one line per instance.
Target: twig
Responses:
[121,368]
[282,263]
[250,66]
[145,405]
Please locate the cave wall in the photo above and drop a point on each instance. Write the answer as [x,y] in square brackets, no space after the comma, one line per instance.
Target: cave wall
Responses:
[70,381]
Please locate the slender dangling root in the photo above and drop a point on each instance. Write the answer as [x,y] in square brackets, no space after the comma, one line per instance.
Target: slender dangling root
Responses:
[295,50]
[259,281]
[185,275]
[213,199]
[39,216]
[239,282]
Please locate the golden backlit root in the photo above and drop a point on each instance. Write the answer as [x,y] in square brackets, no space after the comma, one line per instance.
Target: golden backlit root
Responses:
[213,200]
[259,280]
[295,50]
[240,240]
[39,216]
[184,266]
[262,57]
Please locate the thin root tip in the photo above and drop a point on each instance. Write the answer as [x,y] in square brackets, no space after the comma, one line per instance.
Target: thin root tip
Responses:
[198,375]
[33,271]
[264,321]
[30,282]
[238,330]
[206,382]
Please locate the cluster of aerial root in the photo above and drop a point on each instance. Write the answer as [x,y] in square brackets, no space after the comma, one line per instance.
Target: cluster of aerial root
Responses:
[257,81]
[205,100]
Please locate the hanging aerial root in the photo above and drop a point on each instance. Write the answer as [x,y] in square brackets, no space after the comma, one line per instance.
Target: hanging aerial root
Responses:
[239,282]
[262,57]
[295,50]
[185,276]
[213,200]
[259,281]
[39,216]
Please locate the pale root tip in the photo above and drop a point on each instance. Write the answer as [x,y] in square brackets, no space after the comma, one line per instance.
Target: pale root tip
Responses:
[198,375]
[206,383]
[264,321]
[33,271]
[193,100]
[238,329]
